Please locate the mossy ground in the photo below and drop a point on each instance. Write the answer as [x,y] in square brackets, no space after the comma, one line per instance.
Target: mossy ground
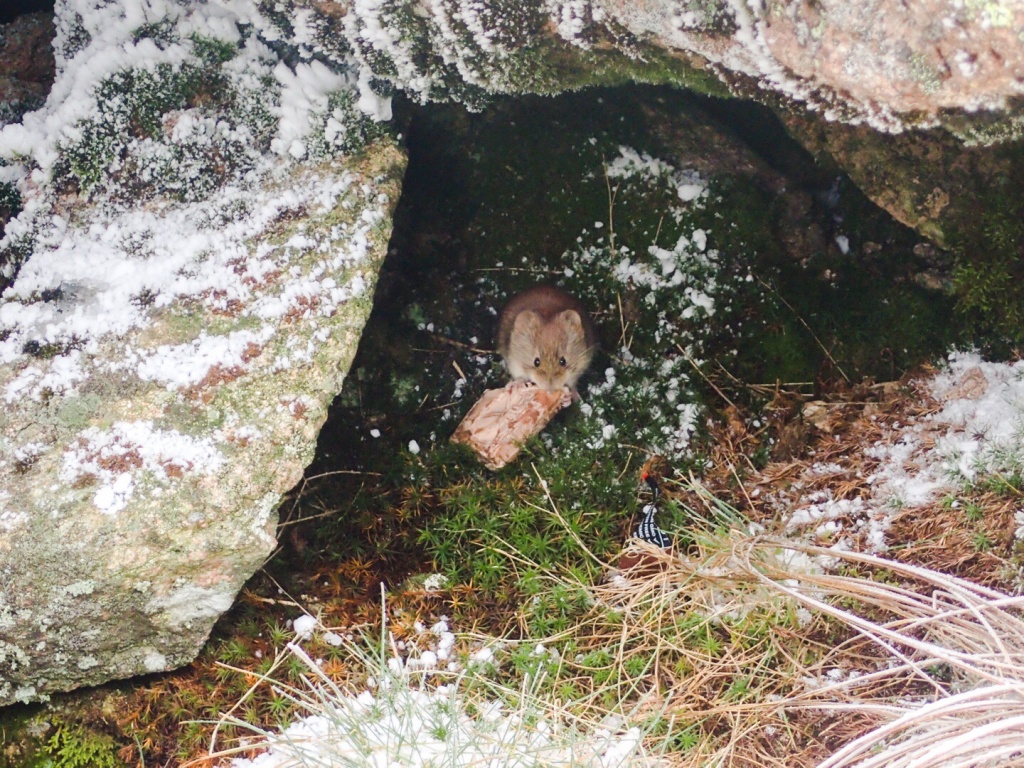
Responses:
[492,203]
[987,240]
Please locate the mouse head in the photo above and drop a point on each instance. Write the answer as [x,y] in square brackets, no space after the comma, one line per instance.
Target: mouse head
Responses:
[553,353]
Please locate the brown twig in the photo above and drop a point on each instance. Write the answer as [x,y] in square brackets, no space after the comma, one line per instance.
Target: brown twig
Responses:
[805,325]
[712,384]
[460,345]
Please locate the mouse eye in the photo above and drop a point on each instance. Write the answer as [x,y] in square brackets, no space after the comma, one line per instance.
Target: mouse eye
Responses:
[561,361]
[536,362]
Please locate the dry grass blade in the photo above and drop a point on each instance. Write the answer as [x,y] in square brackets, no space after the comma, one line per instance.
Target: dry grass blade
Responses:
[918,668]
[979,727]
[727,654]
[977,630]
[977,633]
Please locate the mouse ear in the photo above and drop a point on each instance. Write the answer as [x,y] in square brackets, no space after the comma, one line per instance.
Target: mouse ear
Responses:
[571,321]
[526,322]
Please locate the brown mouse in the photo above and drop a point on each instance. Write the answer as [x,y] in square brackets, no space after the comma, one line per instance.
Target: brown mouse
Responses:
[546,336]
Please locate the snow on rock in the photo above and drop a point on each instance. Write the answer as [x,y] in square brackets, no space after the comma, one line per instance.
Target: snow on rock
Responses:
[839,58]
[111,458]
[181,301]
[892,66]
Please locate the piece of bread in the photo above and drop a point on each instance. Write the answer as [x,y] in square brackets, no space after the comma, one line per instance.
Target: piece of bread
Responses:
[503,419]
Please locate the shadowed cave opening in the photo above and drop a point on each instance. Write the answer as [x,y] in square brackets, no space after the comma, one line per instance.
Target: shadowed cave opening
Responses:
[12,9]
[486,194]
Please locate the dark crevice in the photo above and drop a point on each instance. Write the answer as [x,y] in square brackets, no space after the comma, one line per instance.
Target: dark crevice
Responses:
[12,9]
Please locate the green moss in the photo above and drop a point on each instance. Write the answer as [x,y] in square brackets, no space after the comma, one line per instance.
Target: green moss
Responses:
[553,67]
[345,129]
[519,54]
[161,32]
[988,244]
[10,200]
[276,12]
[132,148]
[131,108]
[74,746]
[212,51]
[18,249]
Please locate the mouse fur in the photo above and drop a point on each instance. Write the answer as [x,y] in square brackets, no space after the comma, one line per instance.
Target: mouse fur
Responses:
[546,336]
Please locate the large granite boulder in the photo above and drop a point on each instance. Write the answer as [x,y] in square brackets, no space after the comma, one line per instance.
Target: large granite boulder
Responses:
[908,99]
[890,63]
[186,282]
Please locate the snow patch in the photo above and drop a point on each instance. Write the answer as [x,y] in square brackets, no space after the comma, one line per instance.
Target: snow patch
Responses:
[110,457]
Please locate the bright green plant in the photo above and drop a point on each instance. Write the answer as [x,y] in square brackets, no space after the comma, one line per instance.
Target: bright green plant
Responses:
[72,746]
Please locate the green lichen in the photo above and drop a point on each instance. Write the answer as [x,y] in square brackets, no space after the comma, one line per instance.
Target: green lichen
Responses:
[86,587]
[76,412]
[992,13]
[709,16]
[986,129]
[925,73]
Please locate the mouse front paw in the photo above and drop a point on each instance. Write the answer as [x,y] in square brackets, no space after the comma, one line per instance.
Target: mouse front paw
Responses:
[519,384]
[569,396]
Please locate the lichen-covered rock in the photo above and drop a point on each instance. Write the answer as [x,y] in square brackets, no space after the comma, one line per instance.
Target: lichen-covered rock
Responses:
[191,271]
[885,62]
[925,179]
[890,64]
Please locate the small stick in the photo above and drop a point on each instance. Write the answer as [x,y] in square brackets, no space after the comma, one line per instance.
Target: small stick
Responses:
[629,458]
[531,270]
[461,345]
[443,406]
[269,601]
[805,325]
[343,472]
[306,480]
[462,375]
[612,194]
[622,322]
[739,482]
[714,386]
